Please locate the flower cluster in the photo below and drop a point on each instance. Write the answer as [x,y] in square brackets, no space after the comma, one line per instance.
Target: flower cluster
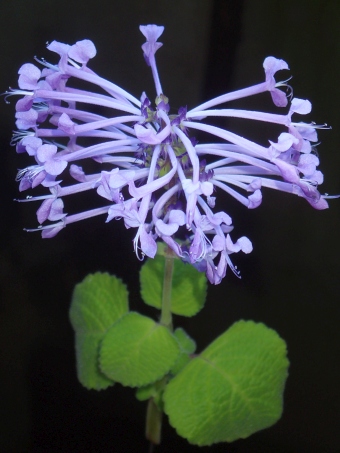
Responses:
[154,174]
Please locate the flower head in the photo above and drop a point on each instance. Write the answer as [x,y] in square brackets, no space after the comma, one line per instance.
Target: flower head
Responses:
[152,173]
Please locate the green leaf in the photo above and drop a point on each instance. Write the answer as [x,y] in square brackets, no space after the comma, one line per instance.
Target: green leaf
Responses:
[231,390]
[154,390]
[186,343]
[87,354]
[189,287]
[137,351]
[146,392]
[97,303]
[187,346]
[182,360]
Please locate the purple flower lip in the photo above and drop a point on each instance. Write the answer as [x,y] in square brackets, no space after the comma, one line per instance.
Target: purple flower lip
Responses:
[152,173]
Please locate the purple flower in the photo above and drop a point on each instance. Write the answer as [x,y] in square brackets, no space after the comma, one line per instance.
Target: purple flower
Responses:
[156,177]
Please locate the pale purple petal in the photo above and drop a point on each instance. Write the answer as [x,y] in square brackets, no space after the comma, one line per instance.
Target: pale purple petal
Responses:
[166,229]
[279,97]
[150,136]
[177,216]
[56,79]
[148,244]
[24,104]
[301,106]
[82,51]
[175,247]
[59,48]
[211,202]
[25,184]
[289,172]
[308,163]
[77,173]
[220,217]
[52,231]
[29,76]
[218,243]
[51,209]
[319,204]
[115,211]
[307,132]
[119,179]
[56,212]
[26,120]
[271,65]
[317,177]
[54,166]
[231,247]
[285,141]
[49,181]
[66,125]
[207,188]
[196,247]
[44,210]
[39,179]
[255,199]
[245,244]
[151,33]
[255,185]
[46,152]
[189,187]
[242,243]
[31,145]
[221,268]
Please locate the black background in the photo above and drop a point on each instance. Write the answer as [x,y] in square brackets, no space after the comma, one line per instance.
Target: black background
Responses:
[290,281]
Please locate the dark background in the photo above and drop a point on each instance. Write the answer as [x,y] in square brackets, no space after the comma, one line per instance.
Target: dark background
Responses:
[290,282]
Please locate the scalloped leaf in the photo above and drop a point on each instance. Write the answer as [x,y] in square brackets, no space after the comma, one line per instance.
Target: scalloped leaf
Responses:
[186,343]
[189,287]
[146,392]
[231,390]
[97,303]
[187,346]
[137,351]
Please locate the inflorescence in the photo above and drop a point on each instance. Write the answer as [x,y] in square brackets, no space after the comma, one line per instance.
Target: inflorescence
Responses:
[157,177]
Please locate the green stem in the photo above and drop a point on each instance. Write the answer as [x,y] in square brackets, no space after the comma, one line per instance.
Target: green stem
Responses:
[153,423]
[166,317]
[153,413]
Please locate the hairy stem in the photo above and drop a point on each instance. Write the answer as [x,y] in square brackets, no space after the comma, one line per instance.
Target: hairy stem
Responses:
[166,317]
[153,422]
[153,413]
